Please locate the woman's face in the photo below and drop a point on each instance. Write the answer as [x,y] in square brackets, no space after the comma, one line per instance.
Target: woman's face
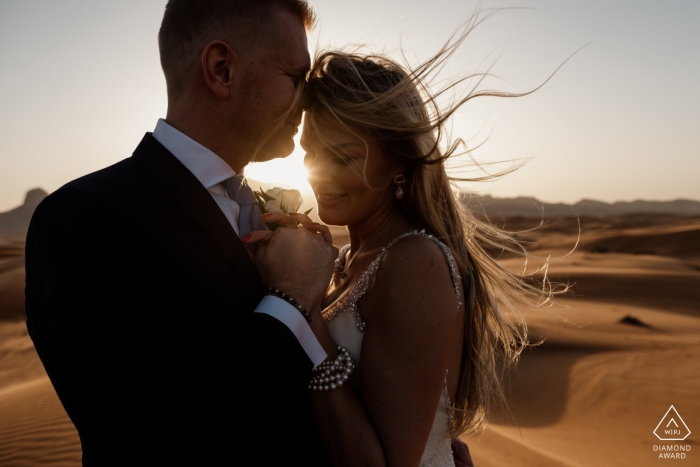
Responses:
[337,159]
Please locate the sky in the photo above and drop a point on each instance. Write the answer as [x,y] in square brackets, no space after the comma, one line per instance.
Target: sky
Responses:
[80,83]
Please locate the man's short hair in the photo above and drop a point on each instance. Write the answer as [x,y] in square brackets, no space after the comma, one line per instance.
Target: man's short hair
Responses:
[187,24]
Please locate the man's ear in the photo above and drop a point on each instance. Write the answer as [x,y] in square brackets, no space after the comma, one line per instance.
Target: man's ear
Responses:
[219,64]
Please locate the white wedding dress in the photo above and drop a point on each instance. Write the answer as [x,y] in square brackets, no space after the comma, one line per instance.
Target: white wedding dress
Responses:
[346,326]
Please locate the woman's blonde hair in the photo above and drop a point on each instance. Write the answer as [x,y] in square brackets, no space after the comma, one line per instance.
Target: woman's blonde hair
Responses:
[393,105]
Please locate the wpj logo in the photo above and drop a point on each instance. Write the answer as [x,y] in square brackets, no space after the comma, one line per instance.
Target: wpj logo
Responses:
[672,427]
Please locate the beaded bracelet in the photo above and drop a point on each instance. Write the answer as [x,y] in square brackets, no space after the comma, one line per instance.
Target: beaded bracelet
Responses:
[332,374]
[278,293]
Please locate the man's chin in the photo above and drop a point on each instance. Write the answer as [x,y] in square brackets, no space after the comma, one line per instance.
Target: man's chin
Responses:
[277,150]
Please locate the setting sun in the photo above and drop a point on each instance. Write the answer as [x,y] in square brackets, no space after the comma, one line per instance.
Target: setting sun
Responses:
[287,173]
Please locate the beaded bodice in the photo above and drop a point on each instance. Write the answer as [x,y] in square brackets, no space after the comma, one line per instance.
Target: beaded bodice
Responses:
[350,301]
[347,327]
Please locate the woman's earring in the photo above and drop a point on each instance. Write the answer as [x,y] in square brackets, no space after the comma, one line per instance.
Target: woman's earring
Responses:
[399,180]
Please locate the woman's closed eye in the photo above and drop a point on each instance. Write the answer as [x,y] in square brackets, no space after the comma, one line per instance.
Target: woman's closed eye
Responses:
[341,157]
[330,156]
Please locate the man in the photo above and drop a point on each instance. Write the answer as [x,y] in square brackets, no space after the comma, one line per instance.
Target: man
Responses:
[144,305]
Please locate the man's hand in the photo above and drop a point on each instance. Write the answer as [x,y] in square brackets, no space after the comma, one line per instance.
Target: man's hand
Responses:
[298,261]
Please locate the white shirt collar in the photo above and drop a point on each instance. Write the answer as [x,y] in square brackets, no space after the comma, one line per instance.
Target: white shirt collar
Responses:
[204,164]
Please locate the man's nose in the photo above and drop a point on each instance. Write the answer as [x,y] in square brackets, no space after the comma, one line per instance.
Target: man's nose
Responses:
[295,117]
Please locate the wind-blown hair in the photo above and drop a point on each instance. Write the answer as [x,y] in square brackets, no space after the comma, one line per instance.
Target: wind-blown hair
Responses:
[393,105]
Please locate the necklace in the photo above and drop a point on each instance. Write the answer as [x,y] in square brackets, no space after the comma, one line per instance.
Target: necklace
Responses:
[344,274]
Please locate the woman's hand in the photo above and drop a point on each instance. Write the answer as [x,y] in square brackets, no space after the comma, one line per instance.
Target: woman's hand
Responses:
[290,221]
[310,256]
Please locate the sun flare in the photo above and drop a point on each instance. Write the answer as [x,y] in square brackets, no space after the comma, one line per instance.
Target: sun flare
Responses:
[288,173]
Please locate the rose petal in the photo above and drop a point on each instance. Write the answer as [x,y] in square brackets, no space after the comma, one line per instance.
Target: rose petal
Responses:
[272,206]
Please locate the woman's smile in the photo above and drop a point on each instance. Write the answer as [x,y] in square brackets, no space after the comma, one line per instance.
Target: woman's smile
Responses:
[348,172]
[328,200]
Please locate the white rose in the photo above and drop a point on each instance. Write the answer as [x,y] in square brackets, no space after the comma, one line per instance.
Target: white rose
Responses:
[272,206]
[289,199]
[273,191]
[285,200]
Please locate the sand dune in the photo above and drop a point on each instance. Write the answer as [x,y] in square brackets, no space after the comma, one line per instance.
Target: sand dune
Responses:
[11,280]
[594,391]
[35,429]
[12,288]
[597,408]
[679,242]
[652,281]
[617,352]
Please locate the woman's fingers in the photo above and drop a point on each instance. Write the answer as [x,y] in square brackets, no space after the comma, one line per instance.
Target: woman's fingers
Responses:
[280,219]
[306,221]
[323,230]
[258,236]
[289,221]
[302,219]
[320,229]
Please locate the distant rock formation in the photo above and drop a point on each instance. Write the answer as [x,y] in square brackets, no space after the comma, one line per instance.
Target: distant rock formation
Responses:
[522,206]
[14,223]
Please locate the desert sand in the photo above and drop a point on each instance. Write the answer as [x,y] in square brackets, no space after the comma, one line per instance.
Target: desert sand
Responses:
[617,353]
[34,428]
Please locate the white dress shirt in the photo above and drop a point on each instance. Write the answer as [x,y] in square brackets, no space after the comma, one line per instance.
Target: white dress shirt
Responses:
[211,170]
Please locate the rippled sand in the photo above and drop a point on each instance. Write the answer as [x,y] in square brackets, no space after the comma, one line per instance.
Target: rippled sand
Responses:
[590,395]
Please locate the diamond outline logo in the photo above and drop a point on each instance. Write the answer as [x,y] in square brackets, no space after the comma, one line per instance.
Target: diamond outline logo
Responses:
[674,422]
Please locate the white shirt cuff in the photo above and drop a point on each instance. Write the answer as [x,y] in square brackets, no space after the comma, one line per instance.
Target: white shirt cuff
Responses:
[290,317]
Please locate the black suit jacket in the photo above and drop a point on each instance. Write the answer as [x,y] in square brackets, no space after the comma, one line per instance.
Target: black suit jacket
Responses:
[140,300]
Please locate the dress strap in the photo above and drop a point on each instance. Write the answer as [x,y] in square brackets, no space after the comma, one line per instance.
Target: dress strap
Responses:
[454,271]
[350,301]
[365,280]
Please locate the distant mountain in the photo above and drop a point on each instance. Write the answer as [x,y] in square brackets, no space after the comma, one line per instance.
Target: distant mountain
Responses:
[14,223]
[522,206]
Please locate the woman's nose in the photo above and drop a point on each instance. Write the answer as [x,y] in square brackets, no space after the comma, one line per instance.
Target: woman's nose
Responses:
[318,172]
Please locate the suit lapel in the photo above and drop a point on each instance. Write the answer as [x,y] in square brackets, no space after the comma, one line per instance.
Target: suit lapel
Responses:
[195,201]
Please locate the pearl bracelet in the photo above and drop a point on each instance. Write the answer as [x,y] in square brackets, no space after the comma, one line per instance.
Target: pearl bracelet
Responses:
[278,293]
[332,374]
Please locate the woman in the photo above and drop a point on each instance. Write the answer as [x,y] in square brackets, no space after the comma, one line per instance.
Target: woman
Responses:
[417,306]
[420,313]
